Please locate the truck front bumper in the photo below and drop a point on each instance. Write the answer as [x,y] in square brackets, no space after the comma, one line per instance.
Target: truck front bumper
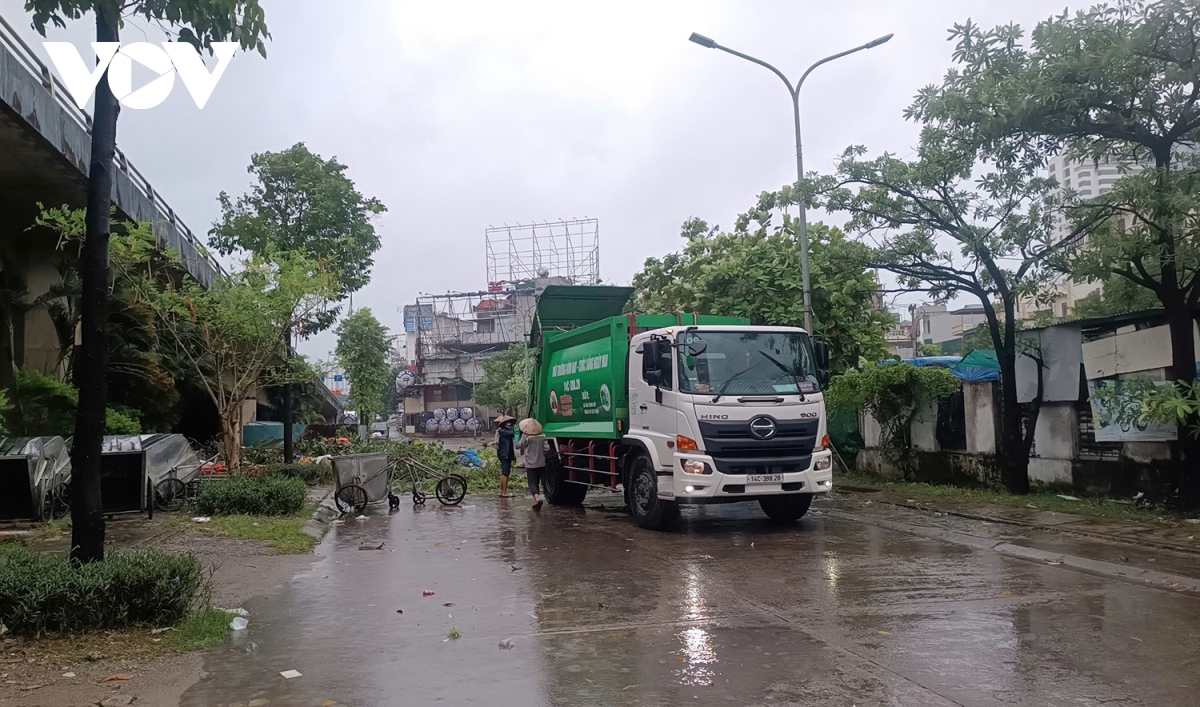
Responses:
[717,487]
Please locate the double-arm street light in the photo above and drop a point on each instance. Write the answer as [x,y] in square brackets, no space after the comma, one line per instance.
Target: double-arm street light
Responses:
[795,91]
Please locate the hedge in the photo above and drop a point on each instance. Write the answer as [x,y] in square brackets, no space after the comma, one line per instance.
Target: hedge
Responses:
[311,474]
[44,593]
[244,495]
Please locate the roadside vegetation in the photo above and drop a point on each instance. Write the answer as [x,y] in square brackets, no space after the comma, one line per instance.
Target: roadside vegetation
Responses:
[1093,506]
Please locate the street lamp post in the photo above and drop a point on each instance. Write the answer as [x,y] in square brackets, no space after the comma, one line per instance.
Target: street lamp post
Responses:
[795,92]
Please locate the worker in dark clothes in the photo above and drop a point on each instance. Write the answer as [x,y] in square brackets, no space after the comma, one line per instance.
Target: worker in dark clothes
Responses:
[505,451]
[532,447]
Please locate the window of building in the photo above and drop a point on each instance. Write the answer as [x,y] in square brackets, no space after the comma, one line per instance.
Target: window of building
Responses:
[486,326]
[1064,309]
[927,326]
[1110,180]
[1109,170]
[1083,173]
[1066,171]
[1084,183]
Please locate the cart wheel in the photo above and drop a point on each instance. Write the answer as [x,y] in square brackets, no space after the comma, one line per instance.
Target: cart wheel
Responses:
[169,494]
[60,501]
[418,496]
[393,501]
[351,498]
[451,490]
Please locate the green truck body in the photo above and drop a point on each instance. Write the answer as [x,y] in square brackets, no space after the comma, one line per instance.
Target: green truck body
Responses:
[580,384]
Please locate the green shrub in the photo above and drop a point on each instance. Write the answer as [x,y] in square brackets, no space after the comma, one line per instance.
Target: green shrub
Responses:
[268,451]
[43,593]
[311,474]
[42,405]
[269,496]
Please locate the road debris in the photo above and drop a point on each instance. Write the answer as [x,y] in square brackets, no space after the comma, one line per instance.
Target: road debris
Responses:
[239,623]
[289,674]
[201,519]
[505,645]
[371,547]
[119,677]
[1065,497]
[428,593]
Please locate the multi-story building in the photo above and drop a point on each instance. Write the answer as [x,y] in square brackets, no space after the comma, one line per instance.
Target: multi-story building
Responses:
[1088,179]
[935,324]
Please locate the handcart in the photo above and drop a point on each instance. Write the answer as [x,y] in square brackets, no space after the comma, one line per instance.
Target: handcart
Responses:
[360,479]
[450,488]
[171,466]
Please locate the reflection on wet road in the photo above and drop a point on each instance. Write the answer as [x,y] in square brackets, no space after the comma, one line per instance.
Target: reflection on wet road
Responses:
[726,610]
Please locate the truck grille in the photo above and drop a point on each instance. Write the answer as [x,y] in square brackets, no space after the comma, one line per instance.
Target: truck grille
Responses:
[736,451]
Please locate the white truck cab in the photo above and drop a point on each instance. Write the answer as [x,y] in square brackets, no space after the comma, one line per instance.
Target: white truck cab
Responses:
[725,414]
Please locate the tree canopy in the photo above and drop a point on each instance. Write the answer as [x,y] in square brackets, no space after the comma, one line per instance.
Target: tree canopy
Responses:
[504,386]
[362,351]
[754,272]
[303,203]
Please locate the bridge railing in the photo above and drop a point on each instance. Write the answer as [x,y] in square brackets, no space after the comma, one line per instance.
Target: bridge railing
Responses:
[26,56]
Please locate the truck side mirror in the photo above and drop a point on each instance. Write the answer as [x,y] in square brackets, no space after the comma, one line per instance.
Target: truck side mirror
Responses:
[821,353]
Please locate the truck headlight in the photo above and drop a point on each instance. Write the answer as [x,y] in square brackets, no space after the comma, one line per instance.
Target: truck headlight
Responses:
[695,466]
[823,463]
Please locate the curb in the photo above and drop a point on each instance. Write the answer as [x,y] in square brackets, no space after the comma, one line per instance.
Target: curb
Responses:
[1192,550]
[1161,580]
[318,525]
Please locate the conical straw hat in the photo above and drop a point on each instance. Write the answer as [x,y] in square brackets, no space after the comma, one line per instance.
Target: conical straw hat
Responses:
[530,426]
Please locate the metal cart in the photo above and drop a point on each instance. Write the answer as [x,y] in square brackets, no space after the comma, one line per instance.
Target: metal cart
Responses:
[360,479]
[35,478]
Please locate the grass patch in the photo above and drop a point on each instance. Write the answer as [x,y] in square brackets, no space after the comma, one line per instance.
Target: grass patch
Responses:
[200,631]
[51,530]
[1090,506]
[269,496]
[283,533]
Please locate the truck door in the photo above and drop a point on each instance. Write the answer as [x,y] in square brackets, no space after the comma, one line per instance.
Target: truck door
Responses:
[653,399]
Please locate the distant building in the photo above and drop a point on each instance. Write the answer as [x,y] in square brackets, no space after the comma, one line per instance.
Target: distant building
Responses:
[900,340]
[934,324]
[1089,179]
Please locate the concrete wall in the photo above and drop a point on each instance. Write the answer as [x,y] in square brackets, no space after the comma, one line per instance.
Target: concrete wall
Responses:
[924,430]
[1055,448]
[979,403]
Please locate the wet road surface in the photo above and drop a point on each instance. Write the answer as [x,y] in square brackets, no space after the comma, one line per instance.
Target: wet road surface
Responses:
[726,610]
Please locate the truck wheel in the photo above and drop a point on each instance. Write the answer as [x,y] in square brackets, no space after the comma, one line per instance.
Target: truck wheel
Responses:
[786,509]
[650,511]
[558,491]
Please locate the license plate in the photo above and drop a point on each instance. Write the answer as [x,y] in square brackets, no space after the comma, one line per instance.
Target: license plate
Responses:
[764,479]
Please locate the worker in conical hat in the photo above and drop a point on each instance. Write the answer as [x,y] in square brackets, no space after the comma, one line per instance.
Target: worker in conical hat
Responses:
[505,451]
[532,447]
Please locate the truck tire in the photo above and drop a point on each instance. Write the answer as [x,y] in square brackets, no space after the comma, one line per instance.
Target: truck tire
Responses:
[649,511]
[786,509]
[559,491]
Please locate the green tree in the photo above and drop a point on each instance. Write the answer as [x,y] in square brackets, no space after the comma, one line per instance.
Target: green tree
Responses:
[1117,80]
[754,273]
[1117,295]
[200,22]
[303,203]
[504,386]
[930,350]
[392,400]
[951,223]
[233,336]
[362,350]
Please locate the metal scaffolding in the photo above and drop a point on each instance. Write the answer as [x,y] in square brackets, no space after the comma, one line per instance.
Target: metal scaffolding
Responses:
[569,249]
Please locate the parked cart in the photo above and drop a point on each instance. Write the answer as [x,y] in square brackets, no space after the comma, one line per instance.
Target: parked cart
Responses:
[139,473]
[35,477]
[360,479]
[449,488]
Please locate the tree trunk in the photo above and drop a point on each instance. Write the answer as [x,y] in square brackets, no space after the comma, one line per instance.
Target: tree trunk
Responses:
[1013,453]
[87,510]
[1183,369]
[231,420]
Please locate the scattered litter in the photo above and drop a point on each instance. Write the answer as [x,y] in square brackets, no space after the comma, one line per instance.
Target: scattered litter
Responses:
[1030,505]
[328,703]
[1193,521]
[14,661]
[156,631]
[239,623]
[361,518]
[1139,495]
[201,519]
[506,644]
[119,677]
[254,524]
[662,662]
[428,593]
[399,611]
[1007,593]
[1053,562]
[514,568]
[885,633]
[449,603]
[68,675]
[909,500]
[236,612]
[869,503]
[371,547]
[118,701]
[251,647]
[289,674]
[3,629]
[453,634]
[337,522]
[1069,498]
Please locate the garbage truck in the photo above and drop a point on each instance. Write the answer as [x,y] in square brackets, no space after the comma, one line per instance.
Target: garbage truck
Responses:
[676,409]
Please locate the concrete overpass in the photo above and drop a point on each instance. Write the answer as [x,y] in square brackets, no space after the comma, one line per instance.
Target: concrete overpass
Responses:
[45,144]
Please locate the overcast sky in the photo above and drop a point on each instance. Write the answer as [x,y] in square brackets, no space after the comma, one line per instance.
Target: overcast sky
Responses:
[461,115]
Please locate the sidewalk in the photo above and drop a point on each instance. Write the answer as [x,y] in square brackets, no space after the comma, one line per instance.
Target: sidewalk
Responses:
[1164,536]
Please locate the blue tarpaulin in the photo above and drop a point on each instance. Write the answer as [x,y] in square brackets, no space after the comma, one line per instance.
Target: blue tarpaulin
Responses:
[935,361]
[979,365]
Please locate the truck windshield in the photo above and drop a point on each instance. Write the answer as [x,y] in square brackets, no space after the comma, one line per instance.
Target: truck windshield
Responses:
[747,363]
